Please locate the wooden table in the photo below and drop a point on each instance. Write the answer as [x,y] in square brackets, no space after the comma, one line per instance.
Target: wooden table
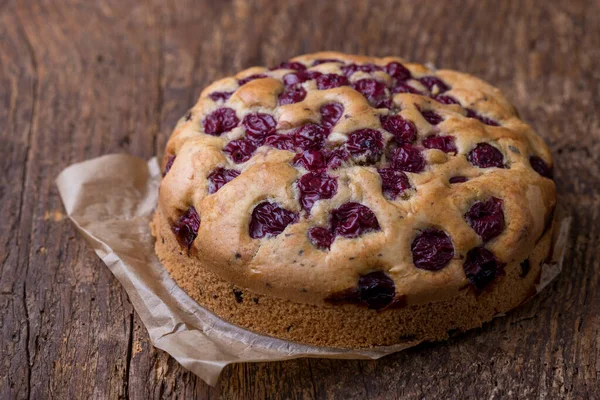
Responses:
[79,79]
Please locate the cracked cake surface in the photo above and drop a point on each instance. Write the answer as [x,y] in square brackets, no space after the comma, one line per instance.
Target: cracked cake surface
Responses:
[368,185]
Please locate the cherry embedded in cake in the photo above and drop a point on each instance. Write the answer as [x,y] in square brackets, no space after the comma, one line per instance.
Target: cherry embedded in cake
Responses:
[353,202]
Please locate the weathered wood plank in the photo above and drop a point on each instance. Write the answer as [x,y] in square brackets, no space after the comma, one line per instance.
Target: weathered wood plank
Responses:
[89,78]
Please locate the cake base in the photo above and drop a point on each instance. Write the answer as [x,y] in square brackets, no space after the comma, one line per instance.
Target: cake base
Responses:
[347,326]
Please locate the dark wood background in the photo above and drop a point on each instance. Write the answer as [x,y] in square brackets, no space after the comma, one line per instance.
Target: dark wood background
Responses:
[79,79]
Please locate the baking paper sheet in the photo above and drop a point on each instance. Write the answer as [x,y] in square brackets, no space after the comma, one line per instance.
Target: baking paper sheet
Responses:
[111,199]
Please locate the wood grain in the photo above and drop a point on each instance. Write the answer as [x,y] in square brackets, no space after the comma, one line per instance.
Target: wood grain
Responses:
[82,78]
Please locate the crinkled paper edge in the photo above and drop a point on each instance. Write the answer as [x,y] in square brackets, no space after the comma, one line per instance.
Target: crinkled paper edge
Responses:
[110,200]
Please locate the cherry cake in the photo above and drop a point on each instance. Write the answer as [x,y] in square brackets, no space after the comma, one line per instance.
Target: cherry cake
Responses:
[352,202]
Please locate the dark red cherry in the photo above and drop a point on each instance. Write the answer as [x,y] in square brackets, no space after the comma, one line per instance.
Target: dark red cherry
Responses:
[432,117]
[330,81]
[368,68]
[292,95]
[482,267]
[375,290]
[404,131]
[374,91]
[268,219]
[434,84]
[331,114]
[365,145]
[240,150]
[219,178]
[169,164]
[540,167]
[458,179]
[393,183]
[486,218]
[220,121]
[310,137]
[295,65]
[352,220]
[445,99]
[186,228]
[320,237]
[216,96]
[397,71]
[296,78]
[484,155]
[488,121]
[408,158]
[443,143]
[281,142]
[432,250]
[311,160]
[325,60]
[403,87]
[258,126]
[251,78]
[336,158]
[315,186]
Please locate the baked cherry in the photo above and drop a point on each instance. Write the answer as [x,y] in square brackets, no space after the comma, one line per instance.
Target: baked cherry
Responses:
[331,114]
[268,219]
[310,137]
[397,71]
[219,178]
[320,237]
[432,117]
[336,158]
[368,68]
[250,78]
[216,96]
[484,155]
[186,228]
[169,164]
[311,160]
[330,81]
[325,60]
[445,99]
[258,126]
[292,95]
[404,131]
[393,182]
[540,167]
[403,87]
[486,218]
[240,150]
[434,84]
[374,91]
[365,144]
[432,250]
[443,143]
[290,65]
[220,121]
[482,267]
[296,78]
[488,121]
[408,158]
[315,186]
[353,219]
[281,142]
[458,179]
[375,290]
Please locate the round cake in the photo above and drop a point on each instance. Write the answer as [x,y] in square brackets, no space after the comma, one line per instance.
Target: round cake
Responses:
[351,202]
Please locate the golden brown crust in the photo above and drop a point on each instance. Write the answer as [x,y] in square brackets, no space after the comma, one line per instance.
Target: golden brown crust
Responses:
[348,326]
[287,269]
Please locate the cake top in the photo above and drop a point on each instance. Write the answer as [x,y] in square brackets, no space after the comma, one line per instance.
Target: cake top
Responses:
[349,179]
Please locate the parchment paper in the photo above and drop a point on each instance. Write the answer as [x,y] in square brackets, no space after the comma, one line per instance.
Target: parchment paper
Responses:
[111,199]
